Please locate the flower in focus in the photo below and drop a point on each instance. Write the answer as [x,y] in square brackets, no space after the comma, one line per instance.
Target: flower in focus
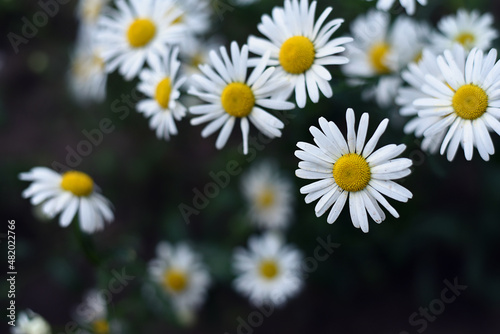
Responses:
[161,84]
[300,48]
[408,5]
[29,322]
[353,170]
[67,194]
[269,195]
[269,271]
[231,95]
[181,274]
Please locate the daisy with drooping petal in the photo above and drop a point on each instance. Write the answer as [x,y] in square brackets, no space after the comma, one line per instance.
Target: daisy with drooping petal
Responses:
[231,96]
[468,28]
[138,32]
[29,322]
[68,194]
[181,274]
[352,169]
[464,101]
[269,271]
[269,195]
[408,5]
[161,84]
[301,47]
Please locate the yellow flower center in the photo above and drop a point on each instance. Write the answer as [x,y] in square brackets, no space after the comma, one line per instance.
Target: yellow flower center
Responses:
[351,172]
[100,326]
[465,38]
[470,102]
[265,198]
[377,56]
[80,184]
[268,269]
[175,280]
[297,54]
[163,90]
[141,32]
[237,99]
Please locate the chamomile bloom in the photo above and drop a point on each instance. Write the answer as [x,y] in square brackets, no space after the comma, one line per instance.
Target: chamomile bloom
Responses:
[88,11]
[352,169]
[380,50]
[95,315]
[269,196]
[67,194]
[161,84]
[269,271]
[29,322]
[408,5]
[464,101]
[138,31]
[231,96]
[181,274]
[468,28]
[301,47]
[194,14]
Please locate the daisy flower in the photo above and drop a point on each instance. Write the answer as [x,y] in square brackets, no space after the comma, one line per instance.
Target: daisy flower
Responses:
[95,313]
[352,169]
[29,322]
[68,194]
[301,47]
[194,14]
[464,101]
[380,50]
[231,95]
[181,274]
[468,28]
[161,84]
[138,31]
[408,5]
[269,195]
[88,11]
[269,271]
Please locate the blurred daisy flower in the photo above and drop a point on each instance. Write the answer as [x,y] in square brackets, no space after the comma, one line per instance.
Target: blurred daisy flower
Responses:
[194,14]
[468,28]
[352,169]
[464,101]
[381,50]
[408,5]
[138,31]
[88,11]
[93,313]
[300,48]
[231,95]
[269,271]
[29,322]
[161,84]
[269,195]
[182,276]
[68,194]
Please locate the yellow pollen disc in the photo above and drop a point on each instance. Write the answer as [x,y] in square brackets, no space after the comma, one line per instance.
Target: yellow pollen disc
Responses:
[100,327]
[377,56]
[268,269]
[351,172]
[465,38]
[237,99]
[265,198]
[297,54]
[80,184]
[141,32]
[175,280]
[163,90]
[470,102]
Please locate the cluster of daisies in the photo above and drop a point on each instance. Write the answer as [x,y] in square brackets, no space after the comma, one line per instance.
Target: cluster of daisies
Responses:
[446,79]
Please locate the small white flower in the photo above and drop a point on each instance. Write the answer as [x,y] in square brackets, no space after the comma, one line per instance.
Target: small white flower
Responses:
[468,28]
[269,195]
[408,5]
[181,274]
[138,31]
[29,322]
[194,14]
[269,271]
[352,170]
[68,194]
[231,96]
[93,312]
[301,47]
[463,101]
[161,84]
